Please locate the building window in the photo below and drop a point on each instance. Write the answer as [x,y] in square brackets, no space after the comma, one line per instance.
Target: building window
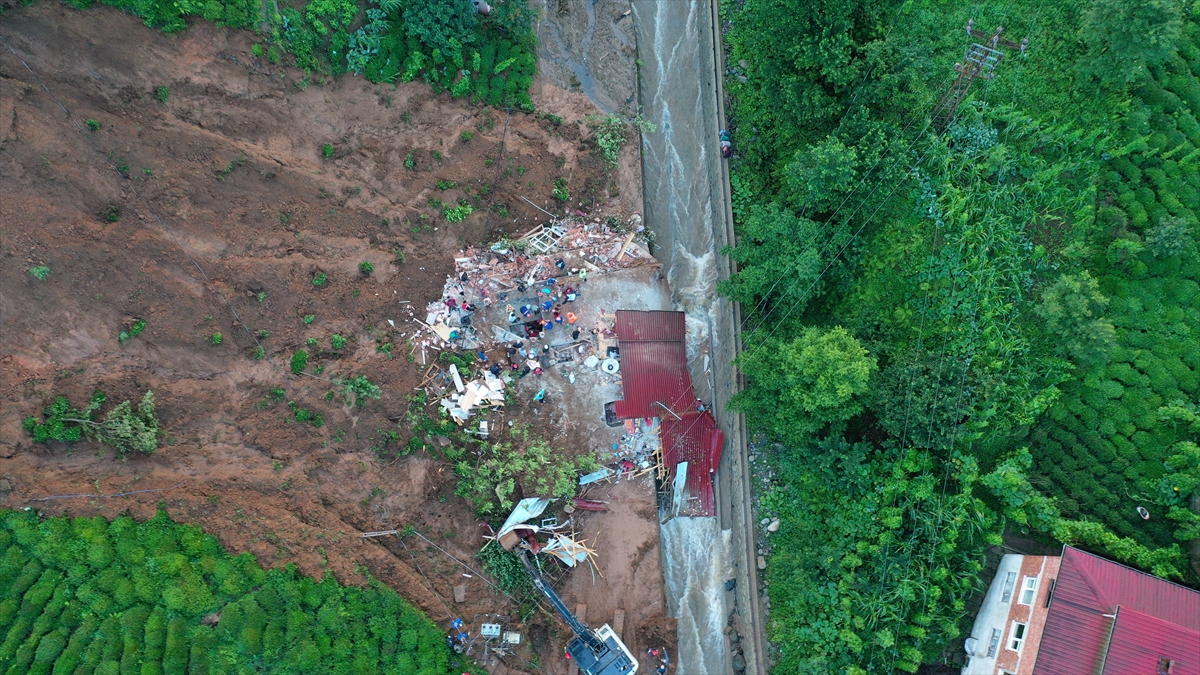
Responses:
[994,644]
[1016,637]
[1008,586]
[1165,666]
[1028,591]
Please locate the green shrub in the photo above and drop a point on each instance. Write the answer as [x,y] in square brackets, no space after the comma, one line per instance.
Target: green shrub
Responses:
[459,213]
[366,268]
[134,331]
[40,272]
[299,361]
[327,151]
[560,192]
[337,341]
[162,94]
[93,125]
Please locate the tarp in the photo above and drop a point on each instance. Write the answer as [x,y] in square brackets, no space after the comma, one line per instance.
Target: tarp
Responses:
[594,476]
[525,509]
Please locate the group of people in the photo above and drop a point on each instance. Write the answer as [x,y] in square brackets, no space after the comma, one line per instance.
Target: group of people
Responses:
[458,636]
[547,312]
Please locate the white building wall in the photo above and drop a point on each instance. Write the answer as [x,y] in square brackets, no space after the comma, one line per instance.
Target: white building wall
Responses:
[993,614]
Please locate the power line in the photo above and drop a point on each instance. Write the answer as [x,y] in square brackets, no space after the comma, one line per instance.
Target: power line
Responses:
[995,40]
[980,60]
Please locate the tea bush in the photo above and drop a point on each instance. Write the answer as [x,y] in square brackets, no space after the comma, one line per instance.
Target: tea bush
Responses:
[129,597]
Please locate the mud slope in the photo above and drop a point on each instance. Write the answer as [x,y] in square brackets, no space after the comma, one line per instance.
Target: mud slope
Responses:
[232,162]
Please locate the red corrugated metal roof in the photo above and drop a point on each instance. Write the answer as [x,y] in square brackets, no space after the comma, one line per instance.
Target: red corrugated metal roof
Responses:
[656,326]
[1140,640]
[654,374]
[1088,587]
[695,439]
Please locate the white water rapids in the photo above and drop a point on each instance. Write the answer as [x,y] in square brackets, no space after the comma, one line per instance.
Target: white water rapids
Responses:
[681,164]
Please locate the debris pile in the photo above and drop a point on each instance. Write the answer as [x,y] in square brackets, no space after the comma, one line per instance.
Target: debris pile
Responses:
[483,393]
[515,290]
[517,532]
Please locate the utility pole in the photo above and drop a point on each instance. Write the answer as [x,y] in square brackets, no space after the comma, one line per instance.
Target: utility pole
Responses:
[980,61]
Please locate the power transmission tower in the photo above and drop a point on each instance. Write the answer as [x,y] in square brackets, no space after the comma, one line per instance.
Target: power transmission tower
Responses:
[979,61]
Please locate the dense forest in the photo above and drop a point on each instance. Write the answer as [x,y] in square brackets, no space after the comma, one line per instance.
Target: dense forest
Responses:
[957,333]
[446,43]
[89,596]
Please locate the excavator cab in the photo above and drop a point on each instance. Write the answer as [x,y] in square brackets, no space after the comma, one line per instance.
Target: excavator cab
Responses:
[613,658]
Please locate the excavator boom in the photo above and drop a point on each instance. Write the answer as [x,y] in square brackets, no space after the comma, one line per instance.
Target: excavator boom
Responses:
[596,652]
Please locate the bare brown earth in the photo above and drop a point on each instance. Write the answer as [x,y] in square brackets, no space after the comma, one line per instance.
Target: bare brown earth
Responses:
[232,165]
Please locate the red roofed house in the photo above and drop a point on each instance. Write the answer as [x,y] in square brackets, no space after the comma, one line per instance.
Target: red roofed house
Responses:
[1080,614]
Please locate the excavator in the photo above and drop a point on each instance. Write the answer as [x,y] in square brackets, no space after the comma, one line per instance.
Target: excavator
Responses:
[596,652]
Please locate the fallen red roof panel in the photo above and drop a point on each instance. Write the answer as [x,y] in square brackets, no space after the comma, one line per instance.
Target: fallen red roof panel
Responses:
[655,383]
[695,439]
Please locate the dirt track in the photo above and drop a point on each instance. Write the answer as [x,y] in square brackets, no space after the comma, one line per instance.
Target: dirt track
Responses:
[232,164]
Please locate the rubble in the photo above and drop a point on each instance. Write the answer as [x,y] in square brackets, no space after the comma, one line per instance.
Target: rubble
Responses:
[518,533]
[544,267]
[518,295]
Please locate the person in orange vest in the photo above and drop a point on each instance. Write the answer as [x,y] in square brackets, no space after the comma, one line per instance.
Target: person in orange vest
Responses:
[571,318]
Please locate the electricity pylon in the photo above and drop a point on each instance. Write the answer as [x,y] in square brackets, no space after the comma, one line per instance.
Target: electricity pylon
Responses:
[979,61]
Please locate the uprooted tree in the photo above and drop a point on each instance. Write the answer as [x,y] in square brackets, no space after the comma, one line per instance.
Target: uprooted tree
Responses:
[124,429]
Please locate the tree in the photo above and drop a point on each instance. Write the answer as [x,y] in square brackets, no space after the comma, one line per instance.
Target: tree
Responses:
[1072,308]
[126,430]
[1126,37]
[819,176]
[1169,238]
[1021,502]
[538,469]
[514,16]
[123,428]
[779,258]
[1179,488]
[437,23]
[876,554]
[920,398]
[799,387]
